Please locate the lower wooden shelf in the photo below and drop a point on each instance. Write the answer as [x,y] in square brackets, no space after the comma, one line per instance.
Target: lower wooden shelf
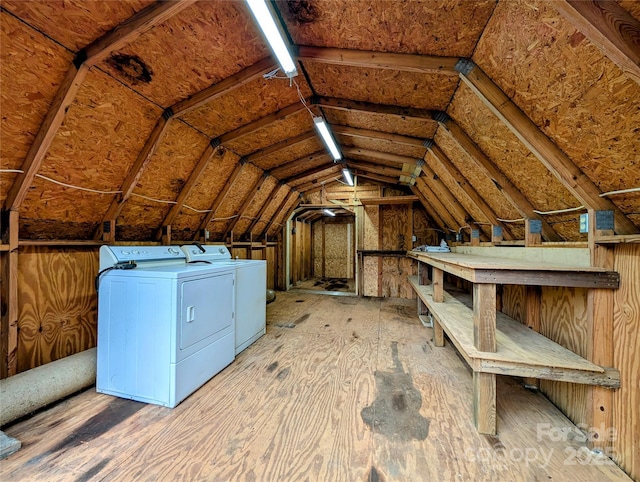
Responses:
[521,351]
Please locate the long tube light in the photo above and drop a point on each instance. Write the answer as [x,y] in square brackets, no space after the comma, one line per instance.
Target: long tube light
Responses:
[329,213]
[346,173]
[323,129]
[267,24]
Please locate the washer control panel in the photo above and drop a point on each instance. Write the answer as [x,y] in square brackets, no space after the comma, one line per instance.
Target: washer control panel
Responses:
[206,252]
[111,255]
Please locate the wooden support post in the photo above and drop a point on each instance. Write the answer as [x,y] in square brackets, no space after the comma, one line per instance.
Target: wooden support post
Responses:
[9,288]
[600,333]
[438,285]
[166,235]
[532,232]
[532,307]
[475,236]
[496,234]
[109,231]
[484,316]
[484,402]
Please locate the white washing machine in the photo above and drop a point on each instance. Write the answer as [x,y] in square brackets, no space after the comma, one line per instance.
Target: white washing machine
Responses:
[251,290]
[164,327]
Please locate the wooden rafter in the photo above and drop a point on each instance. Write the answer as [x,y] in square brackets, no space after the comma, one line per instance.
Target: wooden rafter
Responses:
[429,208]
[279,171]
[128,31]
[220,197]
[379,60]
[553,158]
[511,193]
[386,200]
[247,202]
[610,28]
[283,203]
[282,213]
[434,201]
[378,135]
[376,177]
[311,184]
[194,177]
[443,192]
[297,178]
[383,156]
[469,190]
[303,179]
[375,169]
[252,127]
[265,205]
[370,107]
[278,146]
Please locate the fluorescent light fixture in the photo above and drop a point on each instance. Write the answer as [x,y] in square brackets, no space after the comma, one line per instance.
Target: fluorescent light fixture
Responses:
[270,30]
[329,213]
[323,129]
[346,173]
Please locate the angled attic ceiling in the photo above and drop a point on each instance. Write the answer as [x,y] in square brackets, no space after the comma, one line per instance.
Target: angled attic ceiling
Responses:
[163,108]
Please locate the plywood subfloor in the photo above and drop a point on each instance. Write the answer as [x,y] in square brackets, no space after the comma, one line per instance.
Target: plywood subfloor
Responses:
[339,389]
[327,285]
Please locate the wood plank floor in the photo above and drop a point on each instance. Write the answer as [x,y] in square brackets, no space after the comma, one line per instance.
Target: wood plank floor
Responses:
[339,389]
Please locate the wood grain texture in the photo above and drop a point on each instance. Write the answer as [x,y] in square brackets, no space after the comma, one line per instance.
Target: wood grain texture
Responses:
[288,409]
[58,305]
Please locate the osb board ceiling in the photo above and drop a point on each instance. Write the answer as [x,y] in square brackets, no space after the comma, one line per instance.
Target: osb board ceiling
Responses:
[566,85]
[245,104]
[288,154]
[382,86]
[199,46]
[631,6]
[252,210]
[331,168]
[269,213]
[32,67]
[381,145]
[522,168]
[104,129]
[406,126]
[442,27]
[74,23]
[295,169]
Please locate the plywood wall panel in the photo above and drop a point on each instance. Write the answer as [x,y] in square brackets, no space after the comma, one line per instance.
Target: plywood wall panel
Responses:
[245,104]
[370,272]
[400,88]
[394,221]
[57,314]
[570,90]
[533,179]
[204,193]
[371,227]
[209,42]
[415,27]
[407,126]
[336,250]
[74,23]
[164,177]
[394,277]
[32,68]
[288,154]
[426,231]
[105,128]
[252,210]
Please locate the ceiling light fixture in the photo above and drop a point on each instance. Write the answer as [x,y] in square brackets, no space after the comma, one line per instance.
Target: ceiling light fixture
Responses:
[348,178]
[325,133]
[329,213]
[264,15]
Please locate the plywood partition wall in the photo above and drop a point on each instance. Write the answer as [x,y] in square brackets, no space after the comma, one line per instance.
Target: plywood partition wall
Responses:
[301,257]
[564,318]
[333,248]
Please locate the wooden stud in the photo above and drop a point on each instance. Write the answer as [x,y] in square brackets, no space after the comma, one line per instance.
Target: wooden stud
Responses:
[194,177]
[9,292]
[247,202]
[484,316]
[532,309]
[278,146]
[166,235]
[532,232]
[360,106]
[469,190]
[324,256]
[484,402]
[610,28]
[511,193]
[264,207]
[555,160]
[475,235]
[496,234]
[252,127]
[109,231]
[384,156]
[379,60]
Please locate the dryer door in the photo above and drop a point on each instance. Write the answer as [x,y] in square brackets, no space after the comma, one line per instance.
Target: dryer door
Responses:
[206,309]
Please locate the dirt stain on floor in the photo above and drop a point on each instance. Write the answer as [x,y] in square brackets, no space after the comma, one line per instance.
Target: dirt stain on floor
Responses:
[396,410]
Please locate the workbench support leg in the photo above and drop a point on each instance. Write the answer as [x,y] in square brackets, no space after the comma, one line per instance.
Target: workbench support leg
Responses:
[438,333]
[532,306]
[438,285]
[484,402]
[484,316]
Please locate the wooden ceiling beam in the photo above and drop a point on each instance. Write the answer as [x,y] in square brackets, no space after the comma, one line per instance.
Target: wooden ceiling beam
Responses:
[316,182]
[220,197]
[510,192]
[429,208]
[98,50]
[424,64]
[283,213]
[378,135]
[221,88]
[280,207]
[194,177]
[265,205]
[245,205]
[278,146]
[433,200]
[375,169]
[553,158]
[377,201]
[370,107]
[252,127]
[384,156]
[468,189]
[281,169]
[297,178]
[376,177]
[442,192]
[610,28]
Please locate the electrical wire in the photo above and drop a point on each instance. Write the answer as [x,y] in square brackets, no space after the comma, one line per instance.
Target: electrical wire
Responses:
[162,201]
[559,211]
[621,191]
